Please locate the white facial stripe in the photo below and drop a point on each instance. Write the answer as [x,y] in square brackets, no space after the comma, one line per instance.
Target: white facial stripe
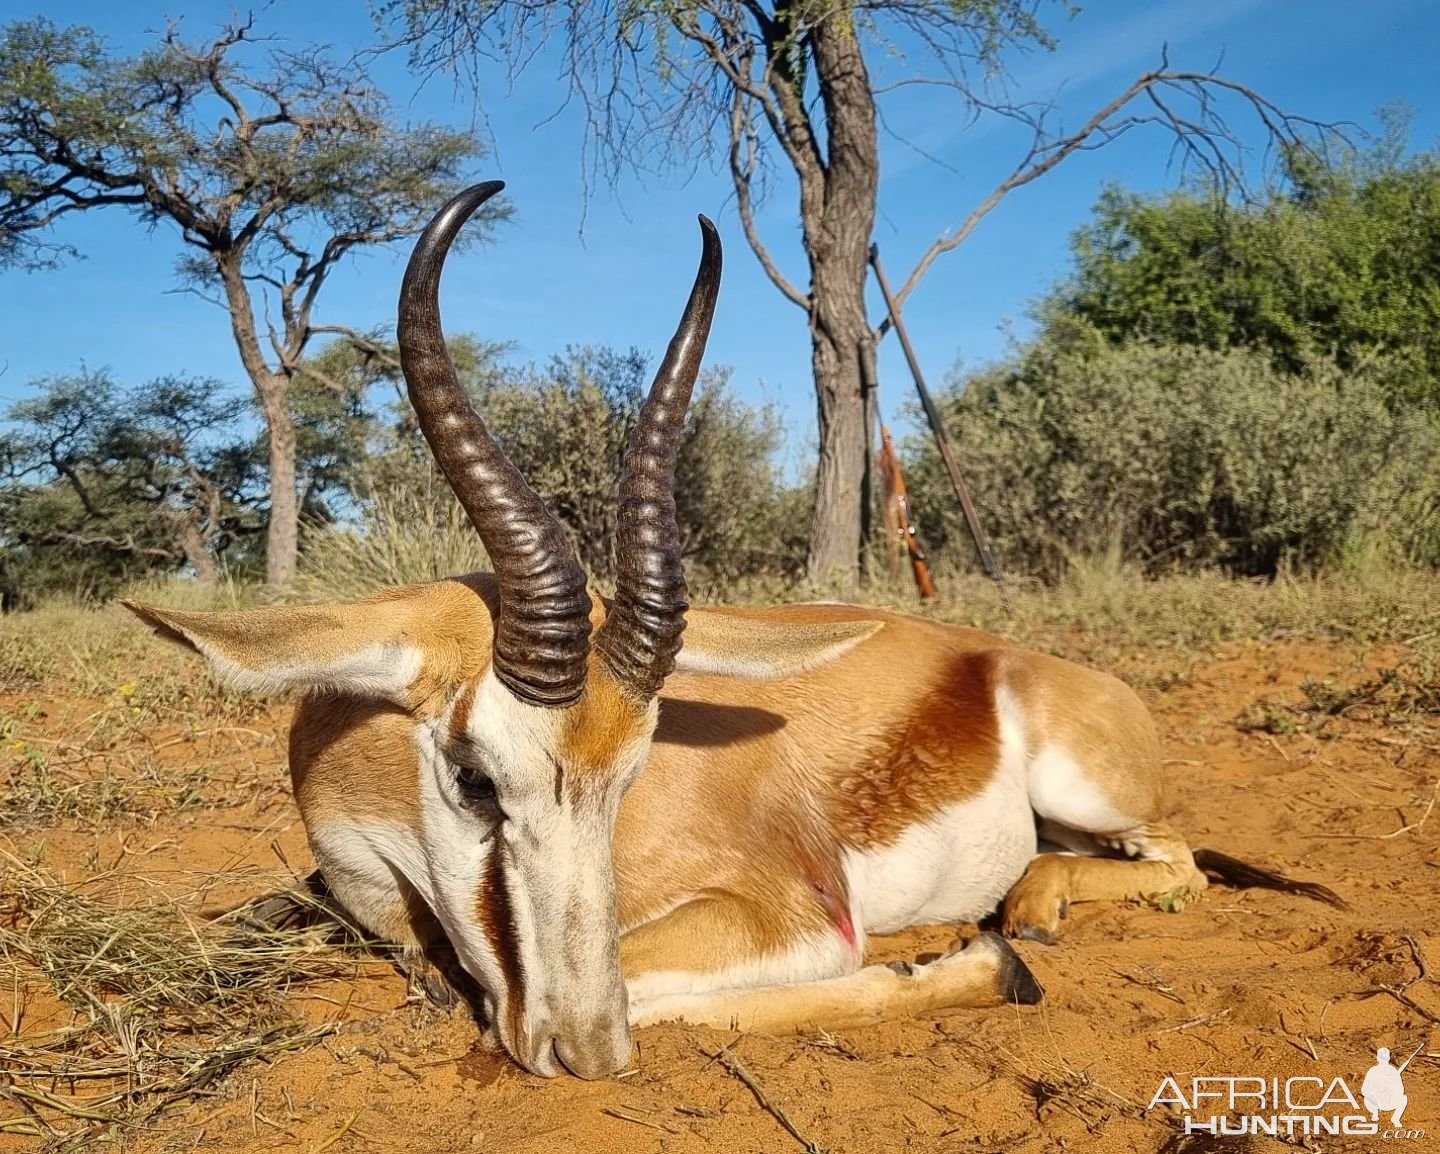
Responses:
[456,846]
[385,669]
[520,738]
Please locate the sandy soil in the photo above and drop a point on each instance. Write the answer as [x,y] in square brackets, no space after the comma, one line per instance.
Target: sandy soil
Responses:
[1241,983]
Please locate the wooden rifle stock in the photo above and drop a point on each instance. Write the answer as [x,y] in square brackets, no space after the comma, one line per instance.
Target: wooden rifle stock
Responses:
[897,517]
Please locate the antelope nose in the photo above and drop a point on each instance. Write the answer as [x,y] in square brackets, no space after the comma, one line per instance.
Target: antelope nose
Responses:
[596,1049]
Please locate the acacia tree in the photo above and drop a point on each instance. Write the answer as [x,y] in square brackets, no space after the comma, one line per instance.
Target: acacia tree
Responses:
[111,483]
[797,85]
[273,165]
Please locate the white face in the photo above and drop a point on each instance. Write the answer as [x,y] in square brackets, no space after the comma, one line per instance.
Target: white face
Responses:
[517,839]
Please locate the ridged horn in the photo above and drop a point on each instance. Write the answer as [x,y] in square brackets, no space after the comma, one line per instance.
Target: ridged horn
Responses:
[542,635]
[641,635]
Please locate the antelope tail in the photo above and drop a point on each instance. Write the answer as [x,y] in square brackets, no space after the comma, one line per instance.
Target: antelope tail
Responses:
[1234,872]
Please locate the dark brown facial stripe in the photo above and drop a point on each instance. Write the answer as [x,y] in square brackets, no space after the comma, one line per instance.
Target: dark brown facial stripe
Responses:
[496,916]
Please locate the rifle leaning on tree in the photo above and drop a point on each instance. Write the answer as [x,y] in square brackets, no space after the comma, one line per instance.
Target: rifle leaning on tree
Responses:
[937,427]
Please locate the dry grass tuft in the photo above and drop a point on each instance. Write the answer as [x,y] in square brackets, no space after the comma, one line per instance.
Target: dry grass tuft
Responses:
[90,648]
[162,1004]
[407,537]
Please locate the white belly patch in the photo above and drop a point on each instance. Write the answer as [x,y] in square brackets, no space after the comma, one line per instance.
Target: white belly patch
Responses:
[954,866]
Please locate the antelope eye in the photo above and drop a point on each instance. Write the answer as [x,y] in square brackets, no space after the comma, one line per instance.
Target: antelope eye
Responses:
[477,790]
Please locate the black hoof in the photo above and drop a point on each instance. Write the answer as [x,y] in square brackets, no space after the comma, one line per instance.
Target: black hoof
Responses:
[1017,983]
[438,992]
[1036,934]
[903,968]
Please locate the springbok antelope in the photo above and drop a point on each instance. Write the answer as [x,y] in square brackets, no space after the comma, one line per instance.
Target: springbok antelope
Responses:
[471,769]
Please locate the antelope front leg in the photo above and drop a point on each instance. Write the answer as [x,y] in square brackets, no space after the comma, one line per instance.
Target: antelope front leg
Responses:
[681,968]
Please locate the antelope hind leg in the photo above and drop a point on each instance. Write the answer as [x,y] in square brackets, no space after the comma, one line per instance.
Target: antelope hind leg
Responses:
[1161,864]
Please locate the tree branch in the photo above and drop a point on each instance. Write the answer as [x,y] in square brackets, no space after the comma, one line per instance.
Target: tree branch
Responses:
[366,345]
[1206,140]
[126,544]
[742,171]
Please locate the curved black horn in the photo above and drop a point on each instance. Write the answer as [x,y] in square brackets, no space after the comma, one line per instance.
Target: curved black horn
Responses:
[543,632]
[641,635]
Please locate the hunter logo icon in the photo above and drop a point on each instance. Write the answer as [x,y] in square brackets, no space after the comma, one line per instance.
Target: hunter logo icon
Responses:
[1303,1106]
[1384,1089]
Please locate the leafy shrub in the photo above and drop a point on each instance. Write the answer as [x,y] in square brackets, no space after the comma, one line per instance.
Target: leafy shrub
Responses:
[1181,457]
[1339,260]
[566,429]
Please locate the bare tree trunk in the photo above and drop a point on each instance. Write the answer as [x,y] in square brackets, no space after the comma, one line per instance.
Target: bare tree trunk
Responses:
[837,241]
[282,536]
[197,556]
[192,545]
[836,533]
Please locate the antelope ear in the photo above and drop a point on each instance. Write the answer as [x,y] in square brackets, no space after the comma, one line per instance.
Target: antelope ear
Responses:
[716,641]
[364,649]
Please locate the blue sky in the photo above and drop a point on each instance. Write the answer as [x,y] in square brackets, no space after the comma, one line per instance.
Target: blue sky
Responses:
[545,284]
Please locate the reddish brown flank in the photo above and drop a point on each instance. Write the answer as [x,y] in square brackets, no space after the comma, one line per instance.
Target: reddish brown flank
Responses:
[944,752]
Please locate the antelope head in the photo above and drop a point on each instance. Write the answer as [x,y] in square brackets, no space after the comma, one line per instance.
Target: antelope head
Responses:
[525,753]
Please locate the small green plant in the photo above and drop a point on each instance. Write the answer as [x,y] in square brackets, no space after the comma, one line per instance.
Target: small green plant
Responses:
[1267,717]
[1175,900]
[1398,696]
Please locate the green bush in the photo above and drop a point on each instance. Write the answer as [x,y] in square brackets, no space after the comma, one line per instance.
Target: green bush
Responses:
[1341,260]
[566,428]
[1181,457]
